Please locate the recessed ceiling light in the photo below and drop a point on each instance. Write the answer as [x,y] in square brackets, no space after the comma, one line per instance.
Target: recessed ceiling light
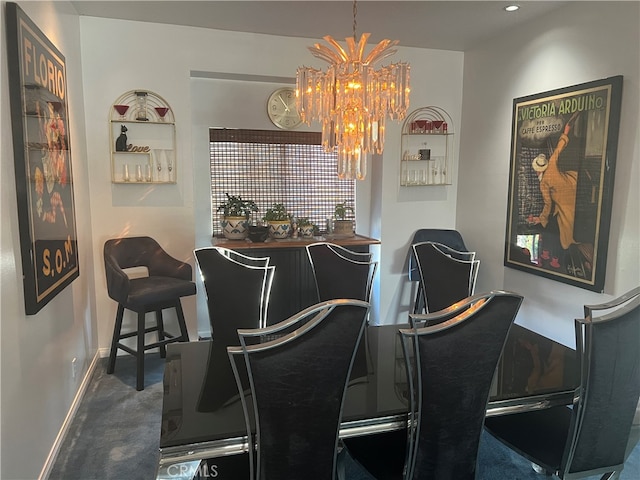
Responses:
[512,8]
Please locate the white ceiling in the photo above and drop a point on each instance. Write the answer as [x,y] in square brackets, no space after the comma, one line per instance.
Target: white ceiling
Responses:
[447,25]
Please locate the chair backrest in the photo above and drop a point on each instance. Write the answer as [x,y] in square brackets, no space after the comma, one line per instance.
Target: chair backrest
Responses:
[242,258]
[450,238]
[454,361]
[298,383]
[453,253]
[445,278]
[609,350]
[341,273]
[128,252]
[237,293]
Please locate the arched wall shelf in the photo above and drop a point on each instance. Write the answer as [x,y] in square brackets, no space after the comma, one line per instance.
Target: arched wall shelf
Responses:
[148,155]
[426,148]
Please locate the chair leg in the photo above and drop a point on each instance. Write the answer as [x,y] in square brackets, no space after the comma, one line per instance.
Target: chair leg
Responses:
[160,324]
[611,476]
[541,470]
[184,334]
[116,338]
[140,352]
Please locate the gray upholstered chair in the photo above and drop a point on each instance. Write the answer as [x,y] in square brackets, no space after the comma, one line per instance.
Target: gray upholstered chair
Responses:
[168,280]
[593,437]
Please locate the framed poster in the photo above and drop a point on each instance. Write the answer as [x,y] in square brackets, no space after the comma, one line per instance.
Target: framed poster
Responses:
[563,155]
[42,156]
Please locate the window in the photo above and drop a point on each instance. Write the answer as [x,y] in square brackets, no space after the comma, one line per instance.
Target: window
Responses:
[276,167]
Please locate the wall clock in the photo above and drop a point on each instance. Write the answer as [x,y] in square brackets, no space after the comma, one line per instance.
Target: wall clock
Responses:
[281,108]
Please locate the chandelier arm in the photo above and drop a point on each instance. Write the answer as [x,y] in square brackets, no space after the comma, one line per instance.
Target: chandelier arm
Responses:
[326,54]
[329,39]
[381,56]
[351,48]
[361,45]
[384,45]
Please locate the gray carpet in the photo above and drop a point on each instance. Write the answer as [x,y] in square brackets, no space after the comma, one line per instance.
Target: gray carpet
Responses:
[116,431]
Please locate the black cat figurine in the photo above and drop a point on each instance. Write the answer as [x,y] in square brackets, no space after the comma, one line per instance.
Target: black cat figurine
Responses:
[121,141]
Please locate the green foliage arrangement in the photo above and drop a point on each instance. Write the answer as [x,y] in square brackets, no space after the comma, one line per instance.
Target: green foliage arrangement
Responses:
[235,206]
[340,211]
[304,222]
[276,213]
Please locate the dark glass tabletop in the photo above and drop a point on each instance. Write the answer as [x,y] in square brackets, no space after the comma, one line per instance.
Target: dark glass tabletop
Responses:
[202,412]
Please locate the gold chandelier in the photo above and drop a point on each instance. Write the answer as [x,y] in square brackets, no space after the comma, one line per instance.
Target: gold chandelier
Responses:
[352,99]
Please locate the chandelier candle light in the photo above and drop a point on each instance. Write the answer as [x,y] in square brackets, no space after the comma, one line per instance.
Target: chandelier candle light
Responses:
[352,99]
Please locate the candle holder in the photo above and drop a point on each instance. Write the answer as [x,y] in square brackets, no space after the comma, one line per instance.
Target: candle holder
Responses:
[141,105]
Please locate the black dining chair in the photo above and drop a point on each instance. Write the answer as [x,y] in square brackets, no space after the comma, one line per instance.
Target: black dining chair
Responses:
[446,275]
[451,238]
[340,272]
[298,383]
[237,287]
[592,436]
[450,367]
[165,282]
[343,273]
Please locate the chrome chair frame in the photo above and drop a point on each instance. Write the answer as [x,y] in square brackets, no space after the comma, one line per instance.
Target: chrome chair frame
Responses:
[453,317]
[242,258]
[455,257]
[272,338]
[353,262]
[349,256]
[578,454]
[450,238]
[251,263]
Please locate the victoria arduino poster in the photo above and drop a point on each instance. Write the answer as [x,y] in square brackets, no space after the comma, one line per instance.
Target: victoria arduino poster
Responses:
[42,157]
[563,155]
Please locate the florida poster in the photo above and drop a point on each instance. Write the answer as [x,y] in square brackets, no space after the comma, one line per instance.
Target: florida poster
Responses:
[563,157]
[42,157]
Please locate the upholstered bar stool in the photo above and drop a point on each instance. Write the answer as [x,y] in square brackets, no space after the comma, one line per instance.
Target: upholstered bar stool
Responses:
[167,282]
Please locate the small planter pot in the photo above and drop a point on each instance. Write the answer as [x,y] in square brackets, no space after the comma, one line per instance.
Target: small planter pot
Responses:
[343,227]
[279,229]
[235,228]
[306,231]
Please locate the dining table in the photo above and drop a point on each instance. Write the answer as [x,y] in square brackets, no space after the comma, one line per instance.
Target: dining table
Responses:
[204,424]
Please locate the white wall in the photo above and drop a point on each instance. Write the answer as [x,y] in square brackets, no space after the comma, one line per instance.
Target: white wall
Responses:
[581,42]
[162,58]
[36,351]
[106,58]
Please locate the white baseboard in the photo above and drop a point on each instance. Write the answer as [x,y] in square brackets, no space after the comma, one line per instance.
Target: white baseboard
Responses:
[53,453]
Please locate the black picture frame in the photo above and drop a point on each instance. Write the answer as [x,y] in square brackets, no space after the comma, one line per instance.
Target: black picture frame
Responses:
[563,157]
[42,157]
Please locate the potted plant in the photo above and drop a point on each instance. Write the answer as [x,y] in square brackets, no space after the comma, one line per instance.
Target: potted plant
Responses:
[341,225]
[305,227]
[279,221]
[235,216]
